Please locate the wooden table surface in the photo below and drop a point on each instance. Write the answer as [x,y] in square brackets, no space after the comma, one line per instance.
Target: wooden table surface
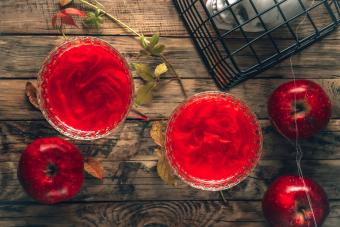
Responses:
[131,194]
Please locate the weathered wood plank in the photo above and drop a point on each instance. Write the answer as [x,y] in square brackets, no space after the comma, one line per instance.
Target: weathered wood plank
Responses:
[132,142]
[148,17]
[22,55]
[176,213]
[180,213]
[127,154]
[131,180]
[255,93]
[34,16]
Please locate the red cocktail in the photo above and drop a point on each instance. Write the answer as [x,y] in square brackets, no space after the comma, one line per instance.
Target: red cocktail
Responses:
[85,88]
[213,141]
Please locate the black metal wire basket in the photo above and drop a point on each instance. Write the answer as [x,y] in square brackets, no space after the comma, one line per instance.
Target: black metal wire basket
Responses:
[237,39]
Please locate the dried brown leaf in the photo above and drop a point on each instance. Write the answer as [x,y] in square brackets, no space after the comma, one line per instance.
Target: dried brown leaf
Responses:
[64,2]
[94,168]
[31,93]
[158,152]
[65,17]
[165,171]
[156,133]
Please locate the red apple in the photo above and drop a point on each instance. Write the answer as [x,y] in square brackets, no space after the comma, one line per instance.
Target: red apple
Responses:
[285,203]
[303,102]
[51,170]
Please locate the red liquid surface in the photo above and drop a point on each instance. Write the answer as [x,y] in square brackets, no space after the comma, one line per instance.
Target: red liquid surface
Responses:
[213,138]
[86,85]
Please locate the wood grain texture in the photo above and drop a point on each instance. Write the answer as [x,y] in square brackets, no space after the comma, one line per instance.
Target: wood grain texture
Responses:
[148,17]
[129,164]
[132,142]
[36,16]
[137,180]
[22,55]
[144,214]
[180,213]
[131,193]
[255,93]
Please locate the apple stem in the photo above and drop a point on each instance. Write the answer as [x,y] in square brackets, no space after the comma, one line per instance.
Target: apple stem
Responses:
[304,214]
[223,198]
[298,107]
[51,170]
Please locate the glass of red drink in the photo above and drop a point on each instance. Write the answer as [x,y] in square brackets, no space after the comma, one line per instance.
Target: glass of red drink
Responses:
[213,141]
[85,88]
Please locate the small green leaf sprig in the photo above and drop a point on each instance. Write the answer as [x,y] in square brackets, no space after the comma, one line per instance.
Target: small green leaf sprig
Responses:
[151,47]
[151,80]
[94,19]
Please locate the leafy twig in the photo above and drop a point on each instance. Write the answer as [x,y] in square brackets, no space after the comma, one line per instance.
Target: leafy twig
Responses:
[153,48]
[151,80]
[150,46]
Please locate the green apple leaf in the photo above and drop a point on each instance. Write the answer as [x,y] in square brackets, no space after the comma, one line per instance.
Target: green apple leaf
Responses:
[144,42]
[144,93]
[94,19]
[157,50]
[154,40]
[144,71]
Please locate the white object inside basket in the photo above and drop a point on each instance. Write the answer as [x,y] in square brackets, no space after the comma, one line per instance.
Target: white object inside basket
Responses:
[244,11]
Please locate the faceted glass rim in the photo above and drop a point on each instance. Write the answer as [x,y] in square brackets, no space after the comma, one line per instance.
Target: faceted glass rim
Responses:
[212,185]
[62,127]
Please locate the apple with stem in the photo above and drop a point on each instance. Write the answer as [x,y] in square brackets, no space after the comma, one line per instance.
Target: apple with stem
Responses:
[51,170]
[299,109]
[286,203]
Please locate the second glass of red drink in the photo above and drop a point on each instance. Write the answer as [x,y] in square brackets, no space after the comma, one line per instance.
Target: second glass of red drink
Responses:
[213,141]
